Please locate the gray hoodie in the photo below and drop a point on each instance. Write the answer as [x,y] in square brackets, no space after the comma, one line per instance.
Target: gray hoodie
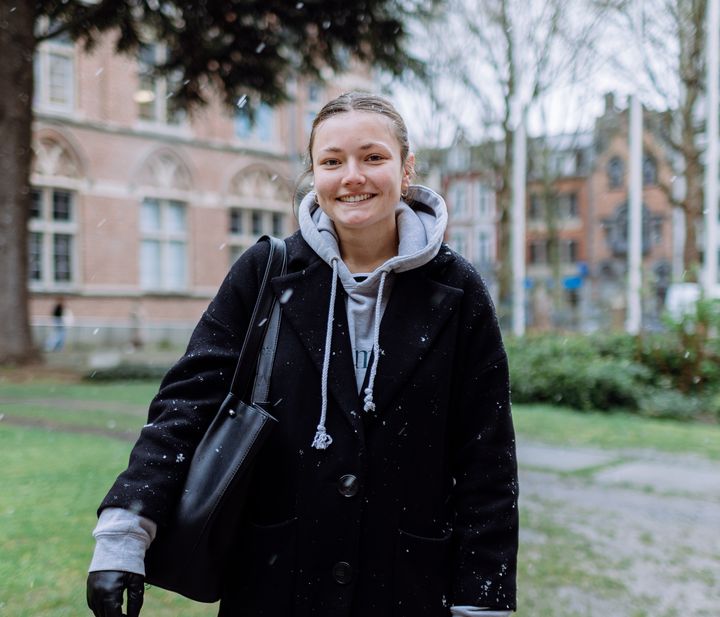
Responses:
[421,227]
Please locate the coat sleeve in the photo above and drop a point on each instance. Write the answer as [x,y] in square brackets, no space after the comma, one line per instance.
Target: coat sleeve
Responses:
[484,467]
[189,396]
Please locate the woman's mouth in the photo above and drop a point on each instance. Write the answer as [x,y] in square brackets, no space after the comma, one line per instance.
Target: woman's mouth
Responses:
[351,199]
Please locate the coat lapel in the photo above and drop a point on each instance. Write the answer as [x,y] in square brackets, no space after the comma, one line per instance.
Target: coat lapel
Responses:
[305,297]
[416,313]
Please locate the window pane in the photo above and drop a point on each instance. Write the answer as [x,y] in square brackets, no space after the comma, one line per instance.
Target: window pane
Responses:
[176,265]
[243,126]
[175,113]
[150,266]
[313,93]
[62,257]
[263,123]
[175,216]
[277,224]
[146,96]
[458,242]
[60,74]
[150,215]
[257,222]
[35,204]
[62,206]
[235,251]
[35,256]
[236,221]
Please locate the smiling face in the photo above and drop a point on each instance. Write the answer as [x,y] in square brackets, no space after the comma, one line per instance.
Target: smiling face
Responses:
[358,172]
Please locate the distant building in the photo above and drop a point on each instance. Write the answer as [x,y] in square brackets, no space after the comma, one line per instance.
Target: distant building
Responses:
[576,220]
[609,190]
[470,194]
[138,210]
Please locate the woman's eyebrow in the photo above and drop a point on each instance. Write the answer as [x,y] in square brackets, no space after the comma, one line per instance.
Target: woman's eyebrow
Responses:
[368,146]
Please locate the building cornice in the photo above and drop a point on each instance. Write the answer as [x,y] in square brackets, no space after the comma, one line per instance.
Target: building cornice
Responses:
[147,133]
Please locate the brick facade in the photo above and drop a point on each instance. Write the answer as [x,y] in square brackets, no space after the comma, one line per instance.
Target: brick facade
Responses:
[150,229]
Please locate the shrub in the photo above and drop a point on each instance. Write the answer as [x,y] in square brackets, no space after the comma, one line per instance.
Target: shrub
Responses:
[660,403]
[570,371]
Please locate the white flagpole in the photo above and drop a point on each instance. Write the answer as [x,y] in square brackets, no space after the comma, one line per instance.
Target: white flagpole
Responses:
[710,270]
[634,307]
[518,219]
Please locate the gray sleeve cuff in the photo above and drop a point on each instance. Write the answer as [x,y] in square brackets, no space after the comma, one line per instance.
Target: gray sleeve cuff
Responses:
[121,539]
[474,611]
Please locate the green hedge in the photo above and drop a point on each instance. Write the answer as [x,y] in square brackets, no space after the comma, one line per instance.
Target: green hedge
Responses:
[675,374]
[571,371]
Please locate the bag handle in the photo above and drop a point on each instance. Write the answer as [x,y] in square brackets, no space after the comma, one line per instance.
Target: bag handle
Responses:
[262,315]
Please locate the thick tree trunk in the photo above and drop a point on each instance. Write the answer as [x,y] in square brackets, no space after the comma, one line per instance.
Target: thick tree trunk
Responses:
[17,47]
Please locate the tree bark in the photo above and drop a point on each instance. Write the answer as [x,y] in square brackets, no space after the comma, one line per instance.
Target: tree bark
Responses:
[17,48]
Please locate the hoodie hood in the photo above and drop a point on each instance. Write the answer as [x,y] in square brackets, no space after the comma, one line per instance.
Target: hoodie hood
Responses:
[421,227]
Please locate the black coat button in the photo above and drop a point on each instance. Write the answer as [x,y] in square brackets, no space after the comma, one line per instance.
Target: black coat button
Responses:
[348,485]
[342,572]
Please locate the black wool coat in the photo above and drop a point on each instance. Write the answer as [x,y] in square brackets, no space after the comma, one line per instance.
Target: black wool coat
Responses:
[412,508]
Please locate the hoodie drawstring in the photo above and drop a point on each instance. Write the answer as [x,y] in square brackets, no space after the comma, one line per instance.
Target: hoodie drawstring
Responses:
[369,402]
[322,440]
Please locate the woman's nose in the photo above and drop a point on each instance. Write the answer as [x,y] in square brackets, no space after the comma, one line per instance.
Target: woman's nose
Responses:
[353,174]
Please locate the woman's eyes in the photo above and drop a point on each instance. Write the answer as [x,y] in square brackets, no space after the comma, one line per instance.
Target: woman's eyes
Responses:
[372,158]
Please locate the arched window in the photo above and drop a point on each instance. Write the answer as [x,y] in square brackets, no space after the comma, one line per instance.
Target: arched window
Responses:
[258,203]
[164,223]
[53,220]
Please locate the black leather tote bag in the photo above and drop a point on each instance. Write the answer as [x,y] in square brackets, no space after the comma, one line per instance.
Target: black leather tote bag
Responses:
[190,555]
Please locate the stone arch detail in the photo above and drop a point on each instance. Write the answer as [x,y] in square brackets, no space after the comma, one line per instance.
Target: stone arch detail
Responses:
[55,156]
[259,184]
[164,169]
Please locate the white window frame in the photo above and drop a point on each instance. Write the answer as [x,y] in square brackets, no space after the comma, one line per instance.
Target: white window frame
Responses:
[254,134]
[459,241]
[165,237]
[62,49]
[48,228]
[247,236]
[161,93]
[485,201]
[459,200]
[485,247]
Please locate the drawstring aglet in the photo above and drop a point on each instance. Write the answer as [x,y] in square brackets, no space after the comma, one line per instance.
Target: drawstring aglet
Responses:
[322,439]
[369,403]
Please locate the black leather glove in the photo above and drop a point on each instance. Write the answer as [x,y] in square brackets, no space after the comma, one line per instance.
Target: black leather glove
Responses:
[105,590]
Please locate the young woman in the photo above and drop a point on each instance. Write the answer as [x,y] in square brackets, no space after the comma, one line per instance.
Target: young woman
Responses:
[389,486]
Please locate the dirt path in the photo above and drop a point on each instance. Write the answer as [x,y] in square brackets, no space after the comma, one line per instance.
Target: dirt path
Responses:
[643,551]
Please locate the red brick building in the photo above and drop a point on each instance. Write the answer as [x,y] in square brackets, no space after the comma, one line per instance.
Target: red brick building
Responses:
[138,208]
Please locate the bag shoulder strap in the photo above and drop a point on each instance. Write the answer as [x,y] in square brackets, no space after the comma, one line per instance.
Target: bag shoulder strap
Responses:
[260,319]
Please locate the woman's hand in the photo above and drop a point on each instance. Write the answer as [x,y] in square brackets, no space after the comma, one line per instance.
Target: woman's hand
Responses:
[105,590]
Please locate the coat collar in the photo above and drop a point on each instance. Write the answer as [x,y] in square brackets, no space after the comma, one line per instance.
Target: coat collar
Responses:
[418,309]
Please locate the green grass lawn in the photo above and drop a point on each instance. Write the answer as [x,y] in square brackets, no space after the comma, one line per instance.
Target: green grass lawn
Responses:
[557,425]
[53,480]
[52,484]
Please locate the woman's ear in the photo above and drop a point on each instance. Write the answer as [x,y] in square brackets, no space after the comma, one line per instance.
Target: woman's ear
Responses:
[408,170]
